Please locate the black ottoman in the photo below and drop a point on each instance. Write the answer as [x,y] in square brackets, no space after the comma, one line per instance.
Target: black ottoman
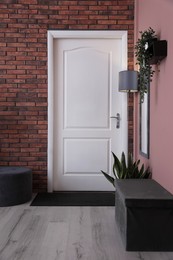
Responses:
[144,215]
[15,185]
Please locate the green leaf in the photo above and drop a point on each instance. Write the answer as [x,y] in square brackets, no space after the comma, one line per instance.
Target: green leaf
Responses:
[141,172]
[146,174]
[124,168]
[109,178]
[130,170]
[116,166]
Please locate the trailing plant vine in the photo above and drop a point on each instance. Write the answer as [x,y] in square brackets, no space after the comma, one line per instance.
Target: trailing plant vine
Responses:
[143,56]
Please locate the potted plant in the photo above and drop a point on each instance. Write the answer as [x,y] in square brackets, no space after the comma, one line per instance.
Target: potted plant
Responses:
[143,56]
[129,170]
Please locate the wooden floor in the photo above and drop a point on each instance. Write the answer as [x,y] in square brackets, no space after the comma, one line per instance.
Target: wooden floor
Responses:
[64,233]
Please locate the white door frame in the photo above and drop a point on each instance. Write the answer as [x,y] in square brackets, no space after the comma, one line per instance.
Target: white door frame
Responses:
[122,35]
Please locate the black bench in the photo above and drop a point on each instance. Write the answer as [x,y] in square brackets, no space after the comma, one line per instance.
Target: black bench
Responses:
[15,185]
[144,215]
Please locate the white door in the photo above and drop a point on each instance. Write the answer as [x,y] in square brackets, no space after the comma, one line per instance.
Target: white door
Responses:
[85,97]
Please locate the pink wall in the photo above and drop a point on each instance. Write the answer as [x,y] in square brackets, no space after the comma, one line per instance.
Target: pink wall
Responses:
[158,14]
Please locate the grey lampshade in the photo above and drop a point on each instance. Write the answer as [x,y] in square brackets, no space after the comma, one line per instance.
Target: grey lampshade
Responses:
[128,81]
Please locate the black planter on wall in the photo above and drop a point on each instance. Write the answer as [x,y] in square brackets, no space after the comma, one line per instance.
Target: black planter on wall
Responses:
[157,50]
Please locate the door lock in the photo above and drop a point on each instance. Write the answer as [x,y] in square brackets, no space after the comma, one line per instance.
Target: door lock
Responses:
[118,120]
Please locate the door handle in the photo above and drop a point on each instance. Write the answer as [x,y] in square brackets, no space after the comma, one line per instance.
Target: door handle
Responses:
[118,120]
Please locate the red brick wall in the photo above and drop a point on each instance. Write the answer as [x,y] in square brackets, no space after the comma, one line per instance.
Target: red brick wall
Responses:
[23,70]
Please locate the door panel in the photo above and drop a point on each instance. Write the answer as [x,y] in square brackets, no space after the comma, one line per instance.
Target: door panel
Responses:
[82,156]
[85,97]
[84,82]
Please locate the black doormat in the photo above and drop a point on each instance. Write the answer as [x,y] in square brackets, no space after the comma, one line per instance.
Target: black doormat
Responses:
[71,198]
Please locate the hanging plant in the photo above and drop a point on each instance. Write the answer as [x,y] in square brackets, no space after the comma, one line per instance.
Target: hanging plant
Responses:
[143,56]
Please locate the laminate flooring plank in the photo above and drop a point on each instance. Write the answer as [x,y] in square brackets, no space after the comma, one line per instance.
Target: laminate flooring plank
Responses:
[106,240]
[64,233]
[54,244]
[34,235]
[10,224]
[79,243]
[26,228]
[156,255]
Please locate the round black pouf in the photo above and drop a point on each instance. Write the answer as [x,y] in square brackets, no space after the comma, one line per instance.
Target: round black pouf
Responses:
[15,185]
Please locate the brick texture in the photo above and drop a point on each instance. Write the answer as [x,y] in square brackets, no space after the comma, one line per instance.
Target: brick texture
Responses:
[23,70]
